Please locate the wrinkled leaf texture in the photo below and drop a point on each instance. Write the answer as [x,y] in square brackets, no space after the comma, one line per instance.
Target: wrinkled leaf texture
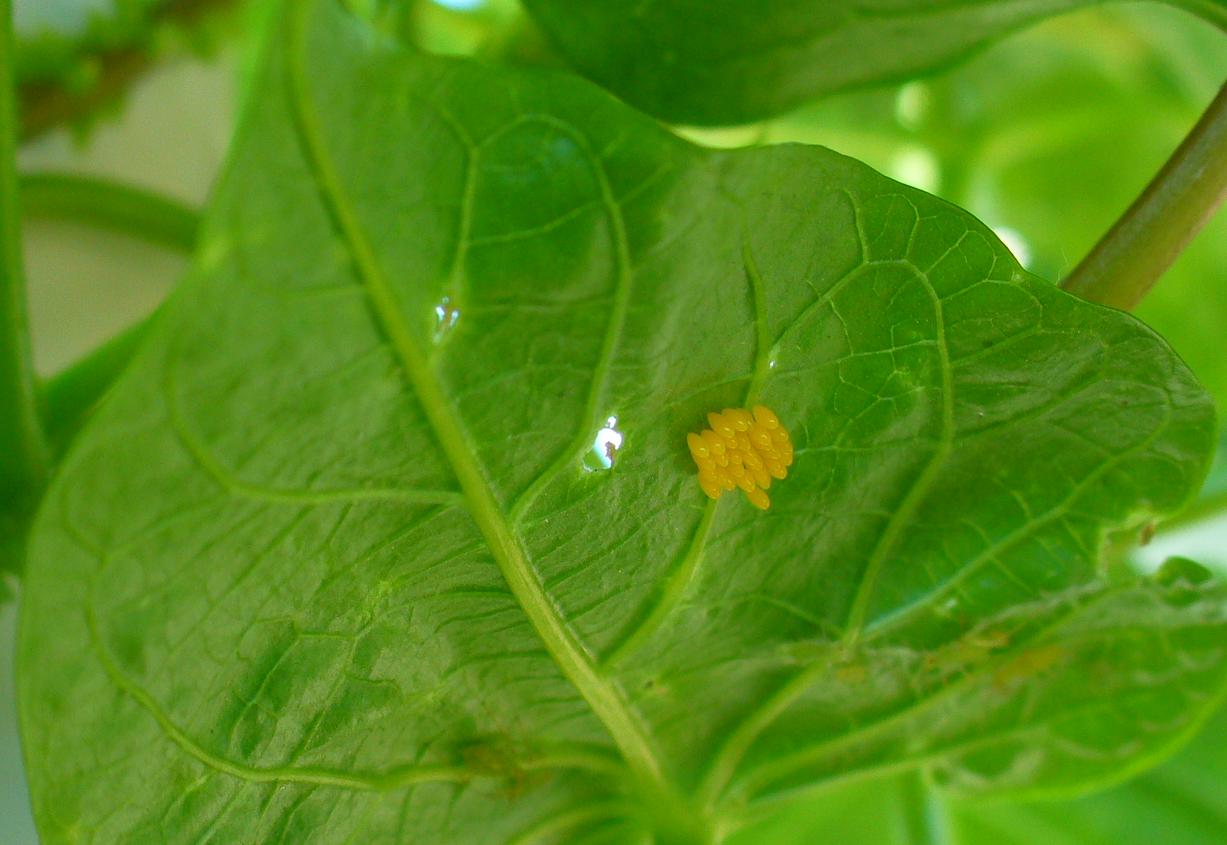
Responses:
[335,561]
[712,62]
[1178,803]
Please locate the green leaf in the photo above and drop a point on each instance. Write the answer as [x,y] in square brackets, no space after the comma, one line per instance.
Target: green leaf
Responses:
[736,61]
[1035,124]
[900,806]
[334,559]
[1180,802]
[1076,114]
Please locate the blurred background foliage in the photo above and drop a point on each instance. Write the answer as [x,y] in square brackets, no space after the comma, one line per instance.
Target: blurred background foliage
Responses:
[1047,136]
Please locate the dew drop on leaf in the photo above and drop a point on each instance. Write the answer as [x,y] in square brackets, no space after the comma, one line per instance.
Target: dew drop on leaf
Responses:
[605,447]
[446,317]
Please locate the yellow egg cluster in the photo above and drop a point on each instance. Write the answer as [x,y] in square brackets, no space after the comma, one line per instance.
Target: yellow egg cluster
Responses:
[741,449]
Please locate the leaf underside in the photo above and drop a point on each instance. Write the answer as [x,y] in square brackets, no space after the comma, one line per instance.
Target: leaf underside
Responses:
[1178,803]
[335,560]
[712,62]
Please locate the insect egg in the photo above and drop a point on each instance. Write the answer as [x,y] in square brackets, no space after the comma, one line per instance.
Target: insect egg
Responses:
[697,447]
[758,498]
[719,424]
[745,449]
[766,416]
[740,419]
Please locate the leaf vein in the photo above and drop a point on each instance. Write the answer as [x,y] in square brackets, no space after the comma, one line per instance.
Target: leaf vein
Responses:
[603,697]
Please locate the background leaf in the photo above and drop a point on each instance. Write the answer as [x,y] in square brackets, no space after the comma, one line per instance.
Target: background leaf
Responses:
[333,561]
[735,61]
[1180,802]
[75,59]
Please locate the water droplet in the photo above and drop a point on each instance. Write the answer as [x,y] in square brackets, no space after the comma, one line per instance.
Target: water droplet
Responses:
[446,317]
[771,365]
[605,447]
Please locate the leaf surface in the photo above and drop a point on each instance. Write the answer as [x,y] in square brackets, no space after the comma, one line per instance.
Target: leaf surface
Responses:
[736,61]
[1180,802]
[347,554]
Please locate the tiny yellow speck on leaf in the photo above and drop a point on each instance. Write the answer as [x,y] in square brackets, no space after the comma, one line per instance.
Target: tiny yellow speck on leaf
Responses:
[741,449]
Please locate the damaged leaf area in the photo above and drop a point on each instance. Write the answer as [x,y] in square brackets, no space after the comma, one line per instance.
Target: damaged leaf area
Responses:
[333,561]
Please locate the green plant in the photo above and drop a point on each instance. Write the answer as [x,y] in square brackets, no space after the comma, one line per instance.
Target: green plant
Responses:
[383,528]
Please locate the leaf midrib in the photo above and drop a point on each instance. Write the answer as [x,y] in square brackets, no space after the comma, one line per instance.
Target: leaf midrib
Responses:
[603,697]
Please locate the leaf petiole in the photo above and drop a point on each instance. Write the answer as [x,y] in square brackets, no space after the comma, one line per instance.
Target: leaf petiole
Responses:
[124,208]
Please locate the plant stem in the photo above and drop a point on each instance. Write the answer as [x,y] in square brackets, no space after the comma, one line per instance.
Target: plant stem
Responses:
[23,447]
[1144,242]
[130,210]
[71,395]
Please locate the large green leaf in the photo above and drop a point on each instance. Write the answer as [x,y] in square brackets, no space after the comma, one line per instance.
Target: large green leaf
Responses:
[734,61]
[338,560]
